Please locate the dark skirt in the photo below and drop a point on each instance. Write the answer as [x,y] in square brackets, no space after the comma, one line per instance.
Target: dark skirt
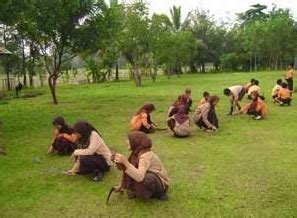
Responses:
[92,163]
[290,84]
[63,146]
[150,187]
[146,130]
[212,118]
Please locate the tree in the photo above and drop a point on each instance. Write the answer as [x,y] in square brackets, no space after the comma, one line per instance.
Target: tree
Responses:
[134,41]
[176,20]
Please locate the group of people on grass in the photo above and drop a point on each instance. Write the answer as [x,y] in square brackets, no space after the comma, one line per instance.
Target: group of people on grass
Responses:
[144,174]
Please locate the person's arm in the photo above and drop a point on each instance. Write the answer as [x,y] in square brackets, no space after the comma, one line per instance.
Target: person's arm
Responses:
[95,143]
[69,137]
[245,108]
[138,174]
[205,119]
[144,120]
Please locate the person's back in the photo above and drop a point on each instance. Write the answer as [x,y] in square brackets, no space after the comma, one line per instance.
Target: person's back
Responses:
[284,93]
[155,165]
[137,121]
[182,129]
[236,90]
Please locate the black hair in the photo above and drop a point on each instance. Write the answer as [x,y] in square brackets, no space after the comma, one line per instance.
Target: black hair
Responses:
[64,127]
[256,82]
[284,85]
[205,94]
[85,130]
[279,82]
[253,80]
[227,92]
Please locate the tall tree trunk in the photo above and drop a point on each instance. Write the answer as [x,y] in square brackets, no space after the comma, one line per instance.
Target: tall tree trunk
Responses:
[52,81]
[269,62]
[24,64]
[276,61]
[202,66]
[31,80]
[137,76]
[117,72]
[255,63]
[153,72]
[193,68]
[8,80]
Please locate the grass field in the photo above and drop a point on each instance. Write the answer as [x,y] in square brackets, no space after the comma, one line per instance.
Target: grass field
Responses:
[247,169]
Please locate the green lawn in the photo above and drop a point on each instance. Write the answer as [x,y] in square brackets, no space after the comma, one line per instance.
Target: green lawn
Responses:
[247,169]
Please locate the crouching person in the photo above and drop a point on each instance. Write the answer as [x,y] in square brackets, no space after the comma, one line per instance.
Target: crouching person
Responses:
[284,95]
[142,121]
[255,107]
[94,157]
[63,141]
[179,123]
[205,115]
[144,175]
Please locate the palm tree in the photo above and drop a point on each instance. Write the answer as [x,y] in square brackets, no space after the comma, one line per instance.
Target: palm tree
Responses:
[176,21]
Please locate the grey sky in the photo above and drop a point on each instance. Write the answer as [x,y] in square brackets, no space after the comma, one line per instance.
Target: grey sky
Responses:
[221,9]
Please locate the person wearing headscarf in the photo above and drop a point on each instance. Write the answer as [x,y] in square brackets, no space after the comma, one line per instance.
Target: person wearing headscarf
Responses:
[144,175]
[63,141]
[179,123]
[205,115]
[172,109]
[142,121]
[94,156]
[186,99]
[255,107]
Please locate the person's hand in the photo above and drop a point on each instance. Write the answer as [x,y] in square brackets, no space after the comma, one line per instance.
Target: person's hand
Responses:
[154,126]
[118,189]
[119,158]
[60,135]
[214,128]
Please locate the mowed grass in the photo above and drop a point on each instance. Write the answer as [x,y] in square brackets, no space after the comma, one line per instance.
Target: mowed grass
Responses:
[247,169]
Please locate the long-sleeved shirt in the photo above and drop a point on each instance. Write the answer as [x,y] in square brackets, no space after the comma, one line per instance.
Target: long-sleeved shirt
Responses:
[138,120]
[247,86]
[236,90]
[148,161]
[202,113]
[275,90]
[98,146]
[201,102]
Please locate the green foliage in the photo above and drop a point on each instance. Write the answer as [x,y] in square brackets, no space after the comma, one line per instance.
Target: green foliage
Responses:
[230,61]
